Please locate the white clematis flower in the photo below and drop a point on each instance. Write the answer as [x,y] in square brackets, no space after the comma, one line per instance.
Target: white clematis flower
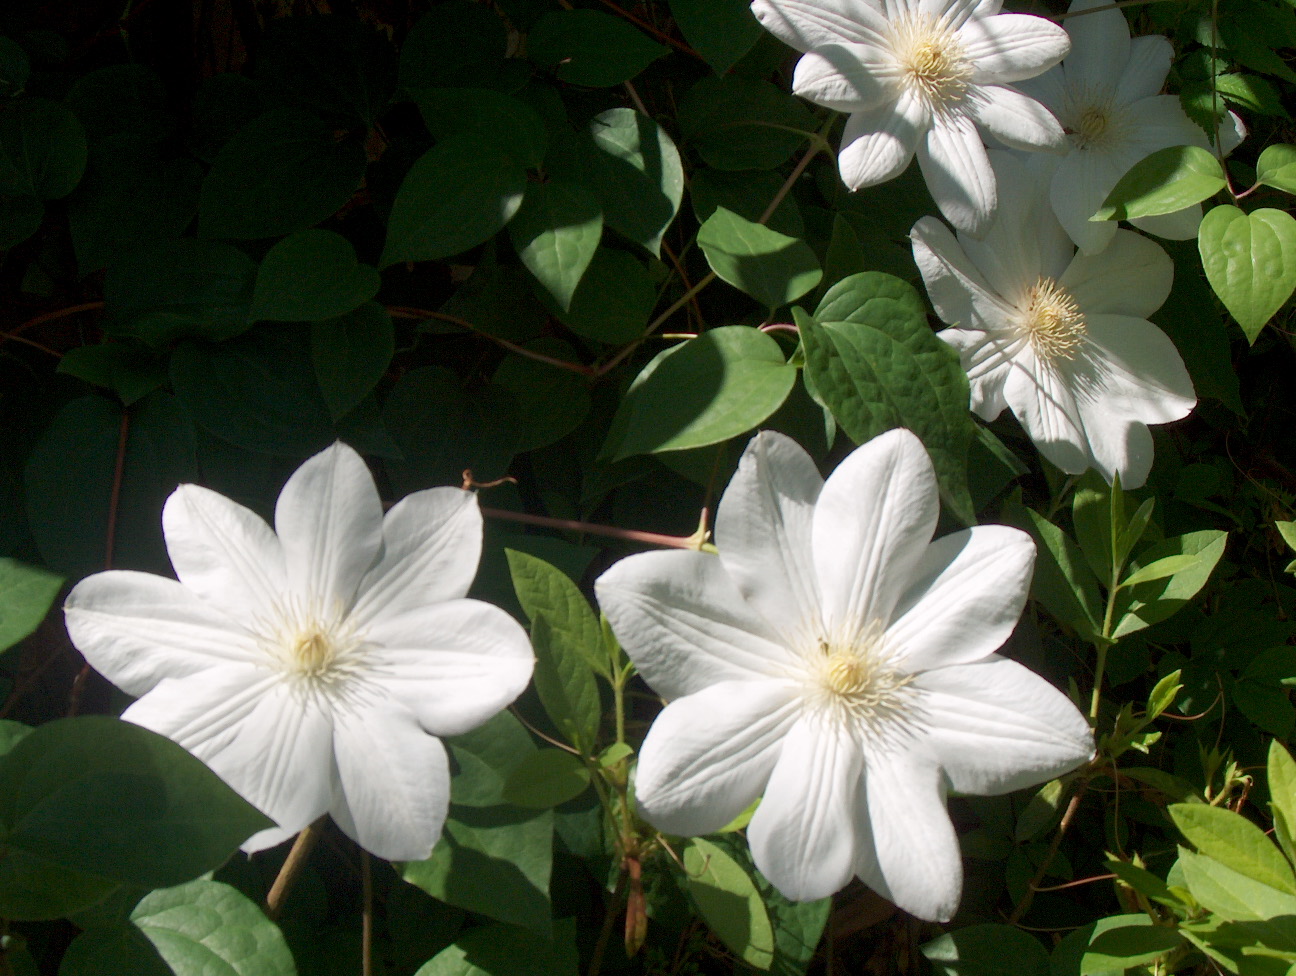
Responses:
[1107,96]
[313,666]
[836,660]
[1062,339]
[922,76]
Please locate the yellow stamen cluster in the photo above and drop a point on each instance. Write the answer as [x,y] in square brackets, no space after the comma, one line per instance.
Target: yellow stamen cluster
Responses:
[857,681]
[932,60]
[1092,126]
[310,642]
[1052,321]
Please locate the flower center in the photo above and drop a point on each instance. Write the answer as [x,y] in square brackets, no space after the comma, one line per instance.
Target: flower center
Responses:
[858,682]
[1052,321]
[1090,127]
[1093,118]
[313,653]
[310,642]
[933,62]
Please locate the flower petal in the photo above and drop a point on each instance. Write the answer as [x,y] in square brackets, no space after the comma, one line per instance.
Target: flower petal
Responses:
[965,598]
[1160,121]
[1181,225]
[1023,239]
[1078,188]
[685,623]
[431,547]
[917,849]
[1016,120]
[137,629]
[1100,44]
[1044,404]
[1139,370]
[1145,71]
[877,145]
[709,755]
[995,726]
[1119,445]
[874,519]
[811,24]
[845,77]
[393,788]
[958,290]
[763,530]
[453,664]
[1011,47]
[329,520]
[1131,276]
[223,552]
[271,744]
[958,174]
[803,834]
[987,358]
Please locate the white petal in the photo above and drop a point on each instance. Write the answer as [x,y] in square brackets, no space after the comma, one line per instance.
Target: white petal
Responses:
[917,849]
[393,788]
[1011,47]
[273,745]
[958,290]
[874,519]
[995,726]
[845,77]
[877,145]
[1182,225]
[223,552]
[1049,89]
[810,24]
[1100,44]
[1131,276]
[1160,121]
[709,755]
[966,597]
[686,625]
[1139,371]
[951,14]
[1016,120]
[958,174]
[1013,251]
[329,520]
[763,531]
[431,546]
[1119,445]
[1145,71]
[1044,404]
[453,664]
[137,629]
[1078,189]
[803,834]
[987,358]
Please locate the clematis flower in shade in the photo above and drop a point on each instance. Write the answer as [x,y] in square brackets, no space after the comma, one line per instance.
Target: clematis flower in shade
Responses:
[1059,338]
[922,76]
[836,660]
[1106,93]
[313,666]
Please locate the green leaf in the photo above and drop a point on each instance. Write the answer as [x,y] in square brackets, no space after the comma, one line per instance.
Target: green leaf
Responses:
[20,217]
[1094,508]
[722,31]
[1235,842]
[1160,569]
[1252,93]
[459,193]
[1128,536]
[258,391]
[1276,167]
[739,123]
[1144,882]
[205,927]
[176,289]
[311,276]
[501,950]
[1041,812]
[1063,581]
[551,401]
[26,594]
[1282,783]
[987,950]
[1250,261]
[876,364]
[1163,694]
[1230,894]
[637,175]
[771,267]
[43,147]
[728,899]
[546,778]
[508,123]
[1125,941]
[747,194]
[33,889]
[351,354]
[1168,180]
[1149,603]
[556,232]
[15,68]
[98,795]
[568,646]
[283,172]
[703,391]
[590,47]
[494,861]
[615,297]
[455,43]
[120,948]
[484,758]
[1288,531]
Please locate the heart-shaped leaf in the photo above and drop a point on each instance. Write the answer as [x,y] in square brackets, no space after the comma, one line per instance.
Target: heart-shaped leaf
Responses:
[1250,261]
[311,276]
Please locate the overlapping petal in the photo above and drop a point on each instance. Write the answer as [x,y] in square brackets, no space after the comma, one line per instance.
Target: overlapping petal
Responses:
[877,145]
[845,77]
[1131,276]
[958,174]
[1011,47]
[810,24]
[1016,120]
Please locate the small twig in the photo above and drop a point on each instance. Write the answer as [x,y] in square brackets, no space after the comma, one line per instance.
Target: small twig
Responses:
[34,344]
[1108,6]
[366,917]
[605,933]
[649,28]
[1024,905]
[292,866]
[536,732]
[571,525]
[1076,884]
[58,313]
[406,312]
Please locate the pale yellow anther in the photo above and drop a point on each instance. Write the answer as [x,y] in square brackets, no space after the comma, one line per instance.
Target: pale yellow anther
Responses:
[1052,321]
[313,653]
[933,61]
